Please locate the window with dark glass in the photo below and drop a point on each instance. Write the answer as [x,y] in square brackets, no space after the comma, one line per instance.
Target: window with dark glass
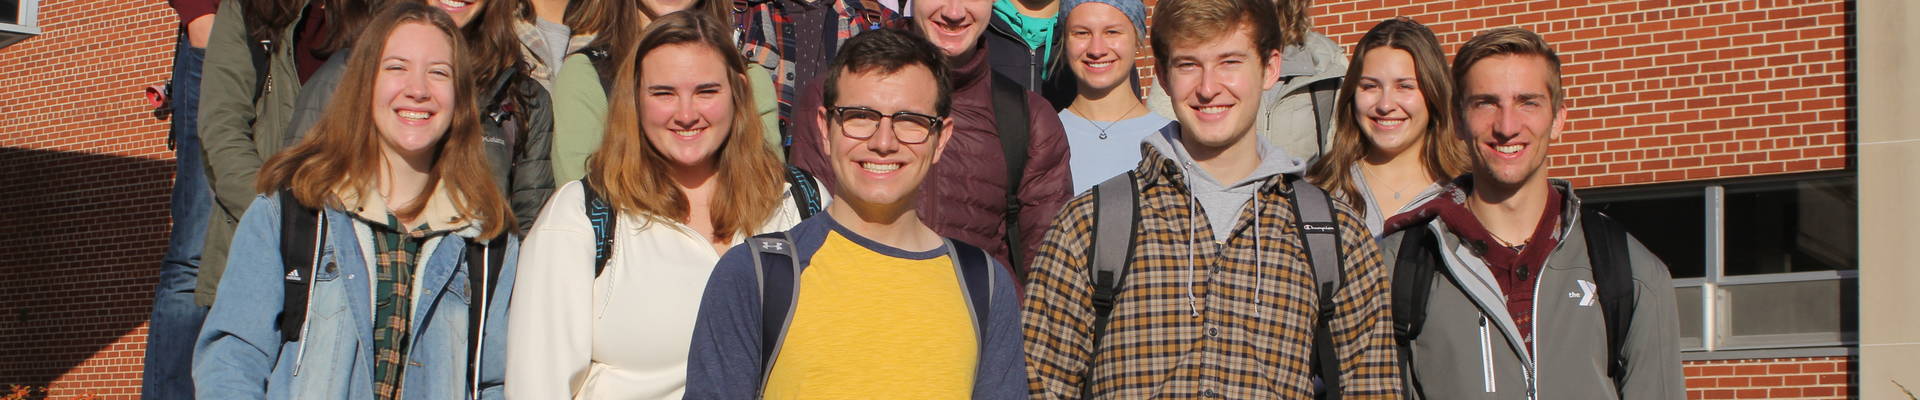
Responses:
[1671,223]
[1795,226]
[9,11]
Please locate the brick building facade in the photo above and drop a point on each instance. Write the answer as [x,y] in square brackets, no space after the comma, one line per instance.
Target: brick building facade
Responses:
[1689,102]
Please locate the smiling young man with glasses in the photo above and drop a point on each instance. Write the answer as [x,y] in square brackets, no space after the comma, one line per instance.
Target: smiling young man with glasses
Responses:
[866,301]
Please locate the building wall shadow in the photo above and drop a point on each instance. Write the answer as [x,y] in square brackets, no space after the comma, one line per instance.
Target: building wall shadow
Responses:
[81,237]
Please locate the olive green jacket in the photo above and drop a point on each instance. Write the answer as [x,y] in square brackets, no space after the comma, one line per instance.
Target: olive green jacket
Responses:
[235,104]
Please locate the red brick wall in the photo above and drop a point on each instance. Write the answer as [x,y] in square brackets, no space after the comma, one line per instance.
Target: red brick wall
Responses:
[1663,90]
[1667,90]
[1798,378]
[85,174]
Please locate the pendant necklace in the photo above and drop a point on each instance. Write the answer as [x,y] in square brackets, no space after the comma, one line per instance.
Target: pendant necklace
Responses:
[1103,130]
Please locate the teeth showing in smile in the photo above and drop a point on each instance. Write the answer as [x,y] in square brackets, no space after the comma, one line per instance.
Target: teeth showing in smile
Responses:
[414,114]
[684,133]
[879,168]
[1390,122]
[454,3]
[1099,64]
[1212,109]
[1509,149]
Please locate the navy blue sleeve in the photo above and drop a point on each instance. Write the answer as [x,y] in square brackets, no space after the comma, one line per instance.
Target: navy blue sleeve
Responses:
[1002,372]
[724,359]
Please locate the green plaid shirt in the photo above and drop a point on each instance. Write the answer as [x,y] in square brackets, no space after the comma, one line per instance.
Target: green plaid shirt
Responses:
[395,254]
[1252,337]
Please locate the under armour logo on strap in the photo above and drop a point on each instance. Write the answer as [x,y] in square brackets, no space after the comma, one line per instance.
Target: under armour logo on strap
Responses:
[773,246]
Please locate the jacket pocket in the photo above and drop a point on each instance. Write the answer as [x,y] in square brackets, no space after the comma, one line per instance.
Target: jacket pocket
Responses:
[1486,355]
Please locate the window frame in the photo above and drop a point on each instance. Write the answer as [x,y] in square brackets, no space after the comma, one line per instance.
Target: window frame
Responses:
[27,26]
[1713,285]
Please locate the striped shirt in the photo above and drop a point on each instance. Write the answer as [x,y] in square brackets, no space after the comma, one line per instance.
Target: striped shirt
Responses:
[1200,318]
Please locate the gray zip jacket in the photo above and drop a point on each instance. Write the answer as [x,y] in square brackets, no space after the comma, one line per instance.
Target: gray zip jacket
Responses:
[1470,348]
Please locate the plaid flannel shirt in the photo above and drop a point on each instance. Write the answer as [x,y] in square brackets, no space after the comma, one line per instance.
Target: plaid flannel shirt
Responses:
[767,36]
[1252,337]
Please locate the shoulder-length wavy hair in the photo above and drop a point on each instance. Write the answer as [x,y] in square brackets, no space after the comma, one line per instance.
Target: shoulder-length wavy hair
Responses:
[341,153]
[1443,154]
[495,49]
[633,175]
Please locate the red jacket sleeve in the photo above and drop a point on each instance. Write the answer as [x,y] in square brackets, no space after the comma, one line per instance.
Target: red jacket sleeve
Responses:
[809,150]
[1047,184]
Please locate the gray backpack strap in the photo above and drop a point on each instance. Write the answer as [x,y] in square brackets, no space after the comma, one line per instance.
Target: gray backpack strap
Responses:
[1325,93]
[1313,211]
[1113,221]
[778,272]
[1116,213]
[1320,232]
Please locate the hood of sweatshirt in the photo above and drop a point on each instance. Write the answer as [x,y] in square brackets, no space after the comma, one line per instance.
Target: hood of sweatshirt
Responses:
[1222,201]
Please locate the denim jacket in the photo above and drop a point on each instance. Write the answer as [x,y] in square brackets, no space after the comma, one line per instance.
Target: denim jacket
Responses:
[240,354]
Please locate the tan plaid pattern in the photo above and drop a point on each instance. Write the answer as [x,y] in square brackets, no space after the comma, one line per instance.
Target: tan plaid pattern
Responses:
[1246,332]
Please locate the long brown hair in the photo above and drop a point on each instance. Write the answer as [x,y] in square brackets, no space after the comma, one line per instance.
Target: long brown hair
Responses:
[341,154]
[495,47]
[633,176]
[1443,154]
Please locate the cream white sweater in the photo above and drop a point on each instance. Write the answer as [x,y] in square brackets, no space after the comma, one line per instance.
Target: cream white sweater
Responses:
[623,335]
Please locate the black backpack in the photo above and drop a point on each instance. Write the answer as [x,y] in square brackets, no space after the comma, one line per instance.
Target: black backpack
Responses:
[1414,271]
[1010,119]
[774,258]
[1116,221]
[805,193]
[303,234]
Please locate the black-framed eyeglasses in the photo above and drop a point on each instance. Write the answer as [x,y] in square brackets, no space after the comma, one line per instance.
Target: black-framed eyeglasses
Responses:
[861,122]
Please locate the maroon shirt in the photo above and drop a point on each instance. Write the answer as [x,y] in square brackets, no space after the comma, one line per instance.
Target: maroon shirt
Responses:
[190,10]
[1515,269]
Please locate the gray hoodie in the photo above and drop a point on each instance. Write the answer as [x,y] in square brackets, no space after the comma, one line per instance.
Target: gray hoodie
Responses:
[1219,200]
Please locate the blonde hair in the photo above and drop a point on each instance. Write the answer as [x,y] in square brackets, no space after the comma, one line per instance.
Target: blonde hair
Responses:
[633,176]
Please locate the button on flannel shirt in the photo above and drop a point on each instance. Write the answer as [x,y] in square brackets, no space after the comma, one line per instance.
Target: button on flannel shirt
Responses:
[1253,335]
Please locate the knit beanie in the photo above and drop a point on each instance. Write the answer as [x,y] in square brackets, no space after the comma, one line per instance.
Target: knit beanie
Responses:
[1135,10]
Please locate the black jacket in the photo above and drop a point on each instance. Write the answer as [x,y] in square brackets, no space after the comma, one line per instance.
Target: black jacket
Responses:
[1009,55]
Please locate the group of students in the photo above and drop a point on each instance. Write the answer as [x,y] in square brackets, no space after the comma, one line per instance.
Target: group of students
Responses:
[795,199]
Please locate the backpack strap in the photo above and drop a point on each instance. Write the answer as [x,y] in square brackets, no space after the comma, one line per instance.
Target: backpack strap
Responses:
[1010,120]
[1324,92]
[490,256]
[806,192]
[602,65]
[303,233]
[604,221]
[1116,215]
[1313,211]
[775,266]
[1613,273]
[975,270]
[1412,283]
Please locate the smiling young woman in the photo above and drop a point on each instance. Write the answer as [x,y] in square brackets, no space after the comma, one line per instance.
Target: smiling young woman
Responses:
[686,175]
[396,172]
[1393,132]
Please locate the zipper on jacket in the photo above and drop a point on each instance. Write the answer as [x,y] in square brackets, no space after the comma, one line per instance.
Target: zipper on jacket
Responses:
[1533,346]
[1486,355]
